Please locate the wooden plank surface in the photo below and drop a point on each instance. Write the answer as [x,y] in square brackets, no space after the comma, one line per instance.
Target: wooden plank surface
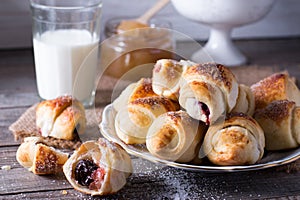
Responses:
[164,182]
[18,92]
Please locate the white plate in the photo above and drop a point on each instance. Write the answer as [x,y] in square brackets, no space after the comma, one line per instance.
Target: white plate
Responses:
[270,159]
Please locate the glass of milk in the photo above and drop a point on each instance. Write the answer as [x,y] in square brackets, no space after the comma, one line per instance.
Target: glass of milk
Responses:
[66,36]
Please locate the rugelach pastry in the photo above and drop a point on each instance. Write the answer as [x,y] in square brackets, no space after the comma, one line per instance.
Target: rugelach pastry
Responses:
[138,90]
[280,121]
[62,118]
[239,140]
[279,86]
[208,91]
[40,158]
[137,107]
[166,77]
[175,136]
[98,167]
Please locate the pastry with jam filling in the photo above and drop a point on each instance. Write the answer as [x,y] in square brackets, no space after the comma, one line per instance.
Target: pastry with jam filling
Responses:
[208,91]
[98,167]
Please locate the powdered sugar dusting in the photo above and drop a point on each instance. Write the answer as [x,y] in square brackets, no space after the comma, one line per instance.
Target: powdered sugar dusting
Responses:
[172,183]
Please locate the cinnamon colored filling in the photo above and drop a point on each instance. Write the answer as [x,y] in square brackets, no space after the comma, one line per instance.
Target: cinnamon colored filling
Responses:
[87,173]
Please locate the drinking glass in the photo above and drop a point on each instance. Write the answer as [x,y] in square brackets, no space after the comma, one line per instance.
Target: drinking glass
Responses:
[66,36]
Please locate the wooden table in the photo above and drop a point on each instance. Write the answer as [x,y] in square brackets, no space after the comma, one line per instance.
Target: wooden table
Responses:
[18,92]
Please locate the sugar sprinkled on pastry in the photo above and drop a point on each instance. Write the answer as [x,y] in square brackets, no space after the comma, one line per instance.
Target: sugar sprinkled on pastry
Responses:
[175,136]
[280,121]
[137,107]
[278,86]
[98,167]
[166,77]
[239,140]
[40,158]
[208,91]
[62,118]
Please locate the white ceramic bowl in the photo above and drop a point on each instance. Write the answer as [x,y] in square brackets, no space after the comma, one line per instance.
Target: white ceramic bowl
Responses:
[222,16]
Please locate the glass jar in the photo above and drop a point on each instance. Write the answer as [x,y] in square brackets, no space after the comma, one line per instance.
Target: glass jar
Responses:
[124,51]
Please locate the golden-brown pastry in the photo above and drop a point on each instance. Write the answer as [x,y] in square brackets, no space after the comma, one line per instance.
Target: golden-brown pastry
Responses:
[133,121]
[166,77]
[98,167]
[175,136]
[245,102]
[140,89]
[40,158]
[63,118]
[239,140]
[279,86]
[207,91]
[137,107]
[280,121]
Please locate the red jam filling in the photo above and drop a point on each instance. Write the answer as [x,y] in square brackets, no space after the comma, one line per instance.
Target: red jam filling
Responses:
[87,173]
[98,177]
[205,111]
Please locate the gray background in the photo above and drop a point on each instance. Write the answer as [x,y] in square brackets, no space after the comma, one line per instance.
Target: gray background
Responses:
[281,22]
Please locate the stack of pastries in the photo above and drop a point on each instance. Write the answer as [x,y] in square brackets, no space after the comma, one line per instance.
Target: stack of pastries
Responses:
[63,119]
[277,101]
[188,111]
[96,167]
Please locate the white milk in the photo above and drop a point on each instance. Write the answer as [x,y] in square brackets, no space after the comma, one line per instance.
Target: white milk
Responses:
[58,57]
